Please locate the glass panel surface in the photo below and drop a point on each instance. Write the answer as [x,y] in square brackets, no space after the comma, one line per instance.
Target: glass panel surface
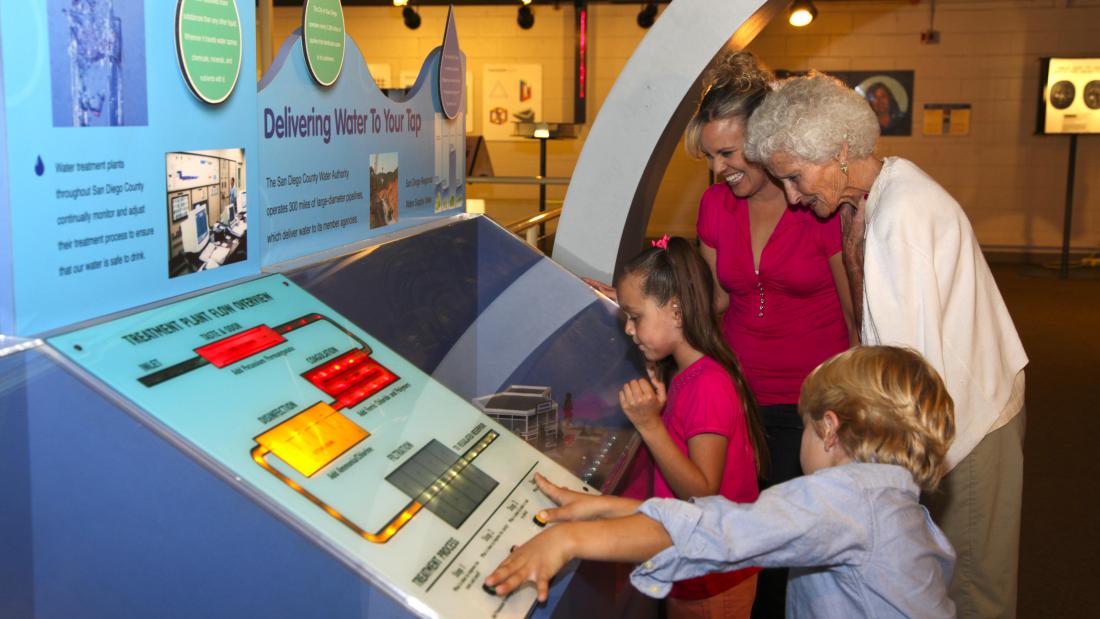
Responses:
[503,327]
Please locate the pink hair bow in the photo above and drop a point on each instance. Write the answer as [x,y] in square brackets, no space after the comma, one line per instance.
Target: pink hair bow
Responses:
[661,242]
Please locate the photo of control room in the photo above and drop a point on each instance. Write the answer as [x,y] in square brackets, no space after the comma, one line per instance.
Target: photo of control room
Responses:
[207,209]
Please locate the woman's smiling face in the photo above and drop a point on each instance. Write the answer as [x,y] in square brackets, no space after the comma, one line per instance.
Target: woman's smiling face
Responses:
[722,142]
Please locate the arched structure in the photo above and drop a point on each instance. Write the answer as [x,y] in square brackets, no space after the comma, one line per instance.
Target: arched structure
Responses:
[639,125]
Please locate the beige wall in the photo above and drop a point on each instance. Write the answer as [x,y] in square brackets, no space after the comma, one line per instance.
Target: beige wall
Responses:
[1010,182]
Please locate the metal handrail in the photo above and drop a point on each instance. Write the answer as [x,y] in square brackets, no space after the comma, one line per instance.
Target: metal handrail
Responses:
[518,180]
[530,227]
[529,222]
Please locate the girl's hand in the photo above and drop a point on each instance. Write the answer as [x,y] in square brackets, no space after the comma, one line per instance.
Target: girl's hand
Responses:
[581,506]
[602,288]
[642,401]
[536,562]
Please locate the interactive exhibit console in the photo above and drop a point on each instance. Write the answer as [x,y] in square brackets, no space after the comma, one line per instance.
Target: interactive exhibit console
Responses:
[317,428]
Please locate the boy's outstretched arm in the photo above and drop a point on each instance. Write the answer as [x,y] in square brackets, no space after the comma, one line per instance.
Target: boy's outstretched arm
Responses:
[574,505]
[631,539]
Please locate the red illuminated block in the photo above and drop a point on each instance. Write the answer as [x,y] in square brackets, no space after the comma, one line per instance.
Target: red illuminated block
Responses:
[240,346]
[351,378]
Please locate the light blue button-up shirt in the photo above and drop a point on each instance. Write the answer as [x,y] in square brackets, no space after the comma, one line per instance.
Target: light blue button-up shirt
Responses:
[858,541]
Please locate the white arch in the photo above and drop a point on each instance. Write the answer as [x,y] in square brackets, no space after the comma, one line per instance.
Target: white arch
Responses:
[639,125]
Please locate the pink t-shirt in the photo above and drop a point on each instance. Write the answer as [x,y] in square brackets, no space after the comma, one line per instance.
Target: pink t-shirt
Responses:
[785,320]
[702,399]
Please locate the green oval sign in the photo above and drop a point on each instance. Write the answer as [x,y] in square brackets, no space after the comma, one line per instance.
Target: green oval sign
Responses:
[208,46]
[323,39]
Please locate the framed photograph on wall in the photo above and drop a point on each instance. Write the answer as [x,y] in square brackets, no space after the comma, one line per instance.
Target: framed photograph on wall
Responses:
[1070,90]
[889,93]
[510,93]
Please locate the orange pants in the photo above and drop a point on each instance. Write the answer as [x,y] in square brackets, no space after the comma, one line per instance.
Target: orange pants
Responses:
[735,603]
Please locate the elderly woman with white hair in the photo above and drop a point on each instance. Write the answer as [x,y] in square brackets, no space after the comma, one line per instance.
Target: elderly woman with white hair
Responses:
[918,279]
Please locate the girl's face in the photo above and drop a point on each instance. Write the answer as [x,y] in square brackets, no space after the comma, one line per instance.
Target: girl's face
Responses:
[655,329]
[723,144]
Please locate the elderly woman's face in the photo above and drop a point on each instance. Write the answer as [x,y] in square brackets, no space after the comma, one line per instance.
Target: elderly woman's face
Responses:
[819,186]
[723,144]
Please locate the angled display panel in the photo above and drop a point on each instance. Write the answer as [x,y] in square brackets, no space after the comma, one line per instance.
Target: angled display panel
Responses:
[505,328]
[102,518]
[329,428]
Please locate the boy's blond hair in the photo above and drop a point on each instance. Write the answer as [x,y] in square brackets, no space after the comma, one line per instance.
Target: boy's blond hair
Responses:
[892,406]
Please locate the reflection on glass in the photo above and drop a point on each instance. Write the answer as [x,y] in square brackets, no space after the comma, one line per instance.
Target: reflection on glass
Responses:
[504,328]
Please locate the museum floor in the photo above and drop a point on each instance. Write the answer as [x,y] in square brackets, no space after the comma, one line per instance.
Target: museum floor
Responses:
[1059,322]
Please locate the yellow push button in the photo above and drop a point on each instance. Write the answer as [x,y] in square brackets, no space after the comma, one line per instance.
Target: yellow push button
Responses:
[313,438]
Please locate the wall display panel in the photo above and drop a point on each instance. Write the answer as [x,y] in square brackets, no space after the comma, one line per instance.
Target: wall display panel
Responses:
[505,328]
[7,308]
[334,430]
[1071,96]
[94,99]
[345,162]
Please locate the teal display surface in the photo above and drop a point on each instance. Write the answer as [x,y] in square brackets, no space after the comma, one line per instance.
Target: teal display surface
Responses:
[394,473]
[345,163]
[104,213]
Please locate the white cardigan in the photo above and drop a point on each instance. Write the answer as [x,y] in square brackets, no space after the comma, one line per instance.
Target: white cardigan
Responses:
[927,286]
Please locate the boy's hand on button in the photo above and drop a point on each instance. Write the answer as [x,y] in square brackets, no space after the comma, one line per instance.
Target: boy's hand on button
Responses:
[536,562]
[564,497]
[580,506]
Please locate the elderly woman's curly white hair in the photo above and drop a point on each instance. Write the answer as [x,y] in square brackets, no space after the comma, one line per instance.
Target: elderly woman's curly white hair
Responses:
[810,118]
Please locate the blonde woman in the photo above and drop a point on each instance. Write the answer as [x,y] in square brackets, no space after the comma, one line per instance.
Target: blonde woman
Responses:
[781,287]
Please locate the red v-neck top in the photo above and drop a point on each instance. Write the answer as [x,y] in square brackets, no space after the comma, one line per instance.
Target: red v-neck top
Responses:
[785,320]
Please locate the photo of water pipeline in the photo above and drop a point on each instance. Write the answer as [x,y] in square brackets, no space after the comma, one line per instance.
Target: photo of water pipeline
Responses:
[97,57]
[95,62]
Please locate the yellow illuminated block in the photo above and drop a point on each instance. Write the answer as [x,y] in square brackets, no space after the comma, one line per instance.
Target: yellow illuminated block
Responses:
[313,438]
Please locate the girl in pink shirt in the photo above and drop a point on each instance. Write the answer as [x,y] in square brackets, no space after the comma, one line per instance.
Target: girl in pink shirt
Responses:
[702,436]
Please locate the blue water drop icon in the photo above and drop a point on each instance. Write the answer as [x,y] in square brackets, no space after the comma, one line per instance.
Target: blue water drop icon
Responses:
[39,168]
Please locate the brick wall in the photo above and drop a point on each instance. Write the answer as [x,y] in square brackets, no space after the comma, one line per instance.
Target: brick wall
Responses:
[1010,182]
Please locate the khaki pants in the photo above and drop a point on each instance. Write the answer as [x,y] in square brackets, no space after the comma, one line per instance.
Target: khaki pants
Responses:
[978,508]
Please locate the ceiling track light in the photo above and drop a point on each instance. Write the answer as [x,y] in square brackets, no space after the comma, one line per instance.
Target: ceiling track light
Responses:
[647,15]
[411,17]
[526,17]
[801,13]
